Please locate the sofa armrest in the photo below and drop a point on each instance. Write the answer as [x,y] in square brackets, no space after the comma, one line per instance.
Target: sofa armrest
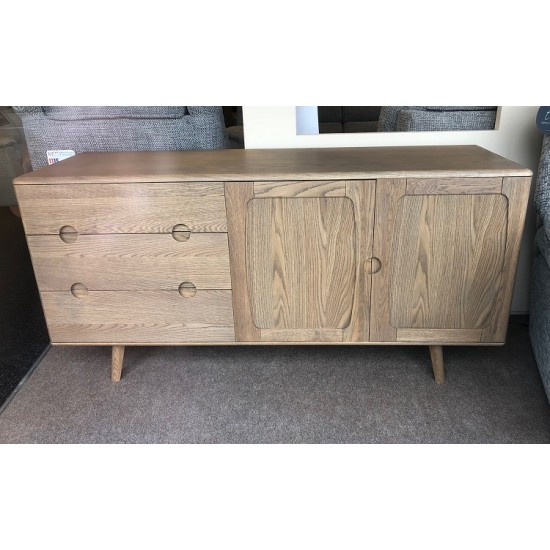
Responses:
[388,118]
[542,189]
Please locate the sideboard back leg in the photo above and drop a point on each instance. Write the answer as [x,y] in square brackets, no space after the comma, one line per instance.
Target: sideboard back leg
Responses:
[436,353]
[118,358]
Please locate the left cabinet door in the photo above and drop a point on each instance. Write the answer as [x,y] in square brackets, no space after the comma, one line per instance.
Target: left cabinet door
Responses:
[297,254]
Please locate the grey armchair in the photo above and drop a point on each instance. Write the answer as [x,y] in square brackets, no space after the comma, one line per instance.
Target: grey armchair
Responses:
[426,119]
[83,129]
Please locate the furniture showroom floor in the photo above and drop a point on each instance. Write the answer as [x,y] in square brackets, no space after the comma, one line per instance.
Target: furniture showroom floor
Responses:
[283,394]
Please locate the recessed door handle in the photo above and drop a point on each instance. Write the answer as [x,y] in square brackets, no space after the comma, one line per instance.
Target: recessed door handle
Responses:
[372,265]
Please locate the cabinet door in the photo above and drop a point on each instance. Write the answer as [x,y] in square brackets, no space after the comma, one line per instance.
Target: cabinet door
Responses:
[297,251]
[448,250]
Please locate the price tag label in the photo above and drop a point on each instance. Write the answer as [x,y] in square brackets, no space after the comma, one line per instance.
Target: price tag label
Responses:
[59,154]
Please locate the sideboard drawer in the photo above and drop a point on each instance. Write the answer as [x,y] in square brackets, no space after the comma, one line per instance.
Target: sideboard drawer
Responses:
[122,208]
[140,317]
[131,262]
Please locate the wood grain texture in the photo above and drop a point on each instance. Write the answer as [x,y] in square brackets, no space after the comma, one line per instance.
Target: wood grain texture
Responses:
[131,317]
[116,363]
[454,186]
[273,189]
[388,194]
[277,164]
[516,190]
[301,262]
[443,335]
[301,335]
[131,262]
[122,208]
[362,194]
[237,196]
[436,354]
[446,261]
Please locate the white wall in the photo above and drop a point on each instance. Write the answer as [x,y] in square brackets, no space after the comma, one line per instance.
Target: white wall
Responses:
[516,138]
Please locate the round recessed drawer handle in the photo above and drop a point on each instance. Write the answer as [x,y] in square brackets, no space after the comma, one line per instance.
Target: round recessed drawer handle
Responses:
[372,265]
[68,234]
[187,289]
[78,290]
[181,232]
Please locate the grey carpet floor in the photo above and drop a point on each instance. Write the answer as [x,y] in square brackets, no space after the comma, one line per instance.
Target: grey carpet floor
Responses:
[283,394]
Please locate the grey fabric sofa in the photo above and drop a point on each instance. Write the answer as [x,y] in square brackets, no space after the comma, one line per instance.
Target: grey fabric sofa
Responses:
[539,308]
[83,129]
[439,119]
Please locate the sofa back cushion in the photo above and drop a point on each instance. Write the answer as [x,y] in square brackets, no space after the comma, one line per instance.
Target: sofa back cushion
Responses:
[95,113]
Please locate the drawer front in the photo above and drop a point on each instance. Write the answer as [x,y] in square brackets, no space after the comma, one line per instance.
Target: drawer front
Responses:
[139,317]
[122,208]
[131,262]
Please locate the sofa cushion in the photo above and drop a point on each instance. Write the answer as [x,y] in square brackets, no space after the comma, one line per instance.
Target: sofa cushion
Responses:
[94,113]
[462,108]
[424,120]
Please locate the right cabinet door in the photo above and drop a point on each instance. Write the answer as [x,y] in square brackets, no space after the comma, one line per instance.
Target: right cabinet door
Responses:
[448,253]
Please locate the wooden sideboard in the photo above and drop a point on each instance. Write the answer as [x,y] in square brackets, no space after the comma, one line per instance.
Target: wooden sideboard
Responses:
[392,245]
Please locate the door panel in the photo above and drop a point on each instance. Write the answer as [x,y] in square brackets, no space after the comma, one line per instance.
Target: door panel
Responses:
[301,262]
[442,262]
[446,260]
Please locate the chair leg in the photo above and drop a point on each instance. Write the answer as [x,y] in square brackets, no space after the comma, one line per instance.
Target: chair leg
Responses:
[118,358]
[436,353]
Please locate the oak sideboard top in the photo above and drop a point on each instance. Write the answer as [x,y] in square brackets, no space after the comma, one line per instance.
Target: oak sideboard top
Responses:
[277,164]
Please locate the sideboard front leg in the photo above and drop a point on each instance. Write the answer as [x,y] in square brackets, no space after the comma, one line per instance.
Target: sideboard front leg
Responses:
[118,358]
[436,353]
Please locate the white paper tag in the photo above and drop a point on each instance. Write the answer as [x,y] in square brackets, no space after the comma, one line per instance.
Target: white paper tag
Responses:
[59,154]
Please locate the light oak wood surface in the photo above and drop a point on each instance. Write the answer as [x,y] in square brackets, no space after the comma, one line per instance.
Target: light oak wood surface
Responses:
[277,164]
[122,208]
[446,335]
[394,245]
[134,317]
[117,361]
[362,194]
[272,189]
[237,196]
[131,261]
[301,335]
[388,194]
[436,353]
[446,260]
[453,186]
[301,262]
[516,190]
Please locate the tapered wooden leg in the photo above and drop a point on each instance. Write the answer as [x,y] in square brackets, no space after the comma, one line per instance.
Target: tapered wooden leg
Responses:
[118,358]
[436,353]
